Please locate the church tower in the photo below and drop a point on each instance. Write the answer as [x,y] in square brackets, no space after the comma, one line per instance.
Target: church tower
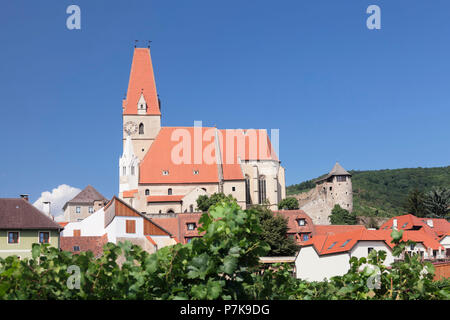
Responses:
[337,188]
[128,168]
[141,107]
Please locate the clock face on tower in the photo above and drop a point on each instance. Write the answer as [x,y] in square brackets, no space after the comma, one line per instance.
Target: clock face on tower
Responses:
[130,127]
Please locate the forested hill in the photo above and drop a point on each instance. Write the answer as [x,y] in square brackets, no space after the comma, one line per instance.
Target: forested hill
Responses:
[384,192]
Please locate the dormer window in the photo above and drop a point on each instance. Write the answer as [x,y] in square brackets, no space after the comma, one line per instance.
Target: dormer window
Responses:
[165,172]
[195,171]
[191,226]
[301,222]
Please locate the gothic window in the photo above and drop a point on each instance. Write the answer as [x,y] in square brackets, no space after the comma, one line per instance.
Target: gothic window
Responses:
[247,190]
[124,171]
[141,128]
[147,192]
[132,170]
[261,189]
[169,192]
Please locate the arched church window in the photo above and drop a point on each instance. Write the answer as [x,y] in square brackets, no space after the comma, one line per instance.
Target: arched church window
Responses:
[261,189]
[141,128]
[124,171]
[169,191]
[147,192]
[132,170]
[248,199]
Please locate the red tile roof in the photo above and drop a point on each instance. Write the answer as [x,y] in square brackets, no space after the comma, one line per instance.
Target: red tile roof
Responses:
[94,244]
[63,224]
[159,158]
[409,222]
[178,151]
[335,229]
[171,198]
[142,81]
[329,243]
[177,226]
[130,193]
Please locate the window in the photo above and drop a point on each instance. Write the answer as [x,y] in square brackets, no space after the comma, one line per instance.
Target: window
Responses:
[301,222]
[76,248]
[369,250]
[412,246]
[13,237]
[91,209]
[332,245]
[165,172]
[191,208]
[233,188]
[247,190]
[405,225]
[345,243]
[195,171]
[341,178]
[188,240]
[77,233]
[132,170]
[130,226]
[191,226]
[141,128]
[169,191]
[147,192]
[78,210]
[44,237]
[124,171]
[261,189]
[305,237]
[331,188]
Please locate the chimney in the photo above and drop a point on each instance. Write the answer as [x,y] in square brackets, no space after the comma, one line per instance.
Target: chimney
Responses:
[430,223]
[24,196]
[394,224]
[47,208]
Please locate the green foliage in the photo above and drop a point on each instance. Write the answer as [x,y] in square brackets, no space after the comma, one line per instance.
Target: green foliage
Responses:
[223,264]
[414,203]
[289,203]
[437,203]
[274,232]
[204,202]
[341,216]
[384,192]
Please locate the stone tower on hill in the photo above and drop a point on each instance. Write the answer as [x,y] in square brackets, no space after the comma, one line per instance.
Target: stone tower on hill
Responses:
[334,188]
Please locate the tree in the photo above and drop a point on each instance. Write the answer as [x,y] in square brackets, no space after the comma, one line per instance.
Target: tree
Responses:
[414,203]
[204,202]
[274,232]
[342,216]
[437,203]
[289,203]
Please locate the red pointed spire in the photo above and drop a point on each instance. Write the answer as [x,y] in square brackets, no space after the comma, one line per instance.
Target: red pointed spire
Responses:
[142,81]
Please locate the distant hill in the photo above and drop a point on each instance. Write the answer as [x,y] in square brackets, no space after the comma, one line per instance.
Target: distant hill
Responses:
[383,192]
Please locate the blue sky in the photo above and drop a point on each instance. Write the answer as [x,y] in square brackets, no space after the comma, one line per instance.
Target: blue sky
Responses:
[370,99]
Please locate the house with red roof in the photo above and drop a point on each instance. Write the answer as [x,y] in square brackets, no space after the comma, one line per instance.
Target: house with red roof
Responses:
[328,252]
[165,169]
[116,222]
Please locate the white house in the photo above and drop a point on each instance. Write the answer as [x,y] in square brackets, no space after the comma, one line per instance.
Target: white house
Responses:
[116,222]
[328,255]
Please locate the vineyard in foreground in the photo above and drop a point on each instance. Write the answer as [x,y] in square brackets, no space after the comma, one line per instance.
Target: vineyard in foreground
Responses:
[223,264]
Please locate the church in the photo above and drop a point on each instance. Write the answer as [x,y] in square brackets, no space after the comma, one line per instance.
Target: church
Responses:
[165,169]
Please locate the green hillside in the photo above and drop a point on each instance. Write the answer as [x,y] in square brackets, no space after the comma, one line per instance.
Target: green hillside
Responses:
[383,192]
